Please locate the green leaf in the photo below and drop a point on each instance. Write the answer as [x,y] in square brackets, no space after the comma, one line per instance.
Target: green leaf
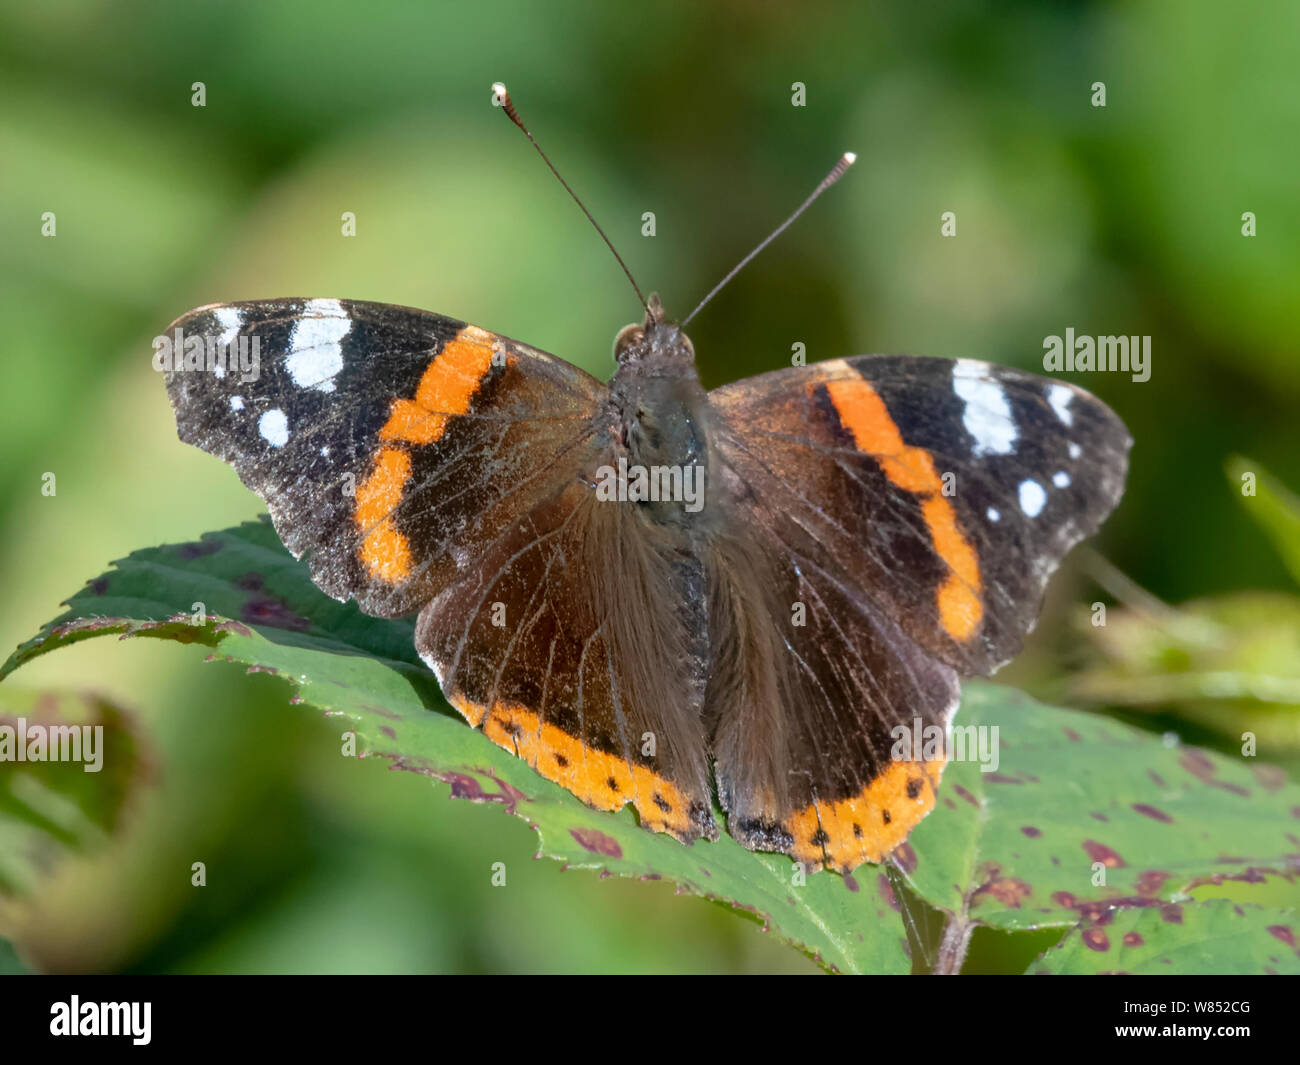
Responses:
[49,807]
[1077,798]
[261,610]
[1014,849]
[1273,506]
[1217,937]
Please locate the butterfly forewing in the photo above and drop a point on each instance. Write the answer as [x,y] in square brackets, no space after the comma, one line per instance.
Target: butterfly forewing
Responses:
[948,491]
[383,439]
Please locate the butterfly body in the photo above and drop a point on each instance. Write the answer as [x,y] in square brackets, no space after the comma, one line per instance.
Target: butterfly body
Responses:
[688,601]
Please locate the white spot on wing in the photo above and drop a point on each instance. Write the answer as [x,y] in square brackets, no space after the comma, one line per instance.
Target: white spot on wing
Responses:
[993,515]
[987,416]
[274,427]
[230,320]
[1059,397]
[1075,450]
[1033,497]
[315,345]
[236,402]
[1061,479]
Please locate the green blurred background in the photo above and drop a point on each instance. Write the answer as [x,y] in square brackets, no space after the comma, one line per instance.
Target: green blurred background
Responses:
[1124,219]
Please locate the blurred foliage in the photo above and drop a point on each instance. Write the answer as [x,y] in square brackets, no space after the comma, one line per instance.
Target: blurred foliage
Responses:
[1123,219]
[1273,506]
[49,806]
[1230,663]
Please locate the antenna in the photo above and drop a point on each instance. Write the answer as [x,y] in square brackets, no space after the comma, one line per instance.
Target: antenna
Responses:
[501,97]
[837,172]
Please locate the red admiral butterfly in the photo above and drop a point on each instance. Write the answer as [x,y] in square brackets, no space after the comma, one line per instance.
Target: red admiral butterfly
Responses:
[659,595]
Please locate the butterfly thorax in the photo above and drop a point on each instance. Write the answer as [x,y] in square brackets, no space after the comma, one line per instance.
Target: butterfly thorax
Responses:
[655,422]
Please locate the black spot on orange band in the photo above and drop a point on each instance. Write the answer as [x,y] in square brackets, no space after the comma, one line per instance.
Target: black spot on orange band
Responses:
[600,779]
[842,834]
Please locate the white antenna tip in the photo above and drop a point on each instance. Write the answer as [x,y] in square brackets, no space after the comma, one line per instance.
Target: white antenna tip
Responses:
[499,94]
[849,157]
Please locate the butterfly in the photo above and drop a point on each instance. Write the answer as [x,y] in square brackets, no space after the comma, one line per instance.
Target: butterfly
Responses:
[688,601]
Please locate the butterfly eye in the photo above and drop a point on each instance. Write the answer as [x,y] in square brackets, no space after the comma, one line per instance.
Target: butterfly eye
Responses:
[629,337]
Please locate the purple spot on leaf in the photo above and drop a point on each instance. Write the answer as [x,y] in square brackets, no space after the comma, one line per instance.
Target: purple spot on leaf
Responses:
[1270,777]
[1153,813]
[198,548]
[1283,933]
[1099,852]
[597,842]
[905,858]
[1151,881]
[261,610]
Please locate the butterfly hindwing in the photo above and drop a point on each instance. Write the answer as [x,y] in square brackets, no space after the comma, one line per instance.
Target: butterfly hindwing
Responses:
[565,643]
[803,726]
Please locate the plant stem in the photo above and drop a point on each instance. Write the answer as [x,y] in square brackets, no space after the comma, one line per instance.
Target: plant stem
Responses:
[953,945]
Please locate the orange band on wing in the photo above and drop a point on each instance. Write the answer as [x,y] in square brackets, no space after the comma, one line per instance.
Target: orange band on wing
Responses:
[471,712]
[445,390]
[866,827]
[410,423]
[384,551]
[864,414]
[600,779]
[960,608]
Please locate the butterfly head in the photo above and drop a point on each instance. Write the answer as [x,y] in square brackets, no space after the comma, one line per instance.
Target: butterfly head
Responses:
[655,340]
